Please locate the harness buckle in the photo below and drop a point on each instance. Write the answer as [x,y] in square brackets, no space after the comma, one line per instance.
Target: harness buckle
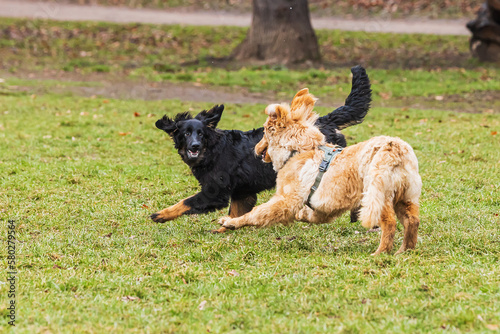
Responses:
[324,165]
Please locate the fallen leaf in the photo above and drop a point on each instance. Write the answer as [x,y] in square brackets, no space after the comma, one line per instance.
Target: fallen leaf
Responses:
[128,298]
[105,101]
[385,96]
[108,235]
[124,133]
[439,98]
[145,206]
[424,120]
[136,114]
[233,273]
[371,125]
[151,115]
[56,266]
[424,287]
[202,305]
[492,327]
[494,133]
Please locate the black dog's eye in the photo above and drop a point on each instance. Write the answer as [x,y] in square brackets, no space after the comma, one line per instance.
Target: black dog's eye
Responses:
[187,134]
[200,134]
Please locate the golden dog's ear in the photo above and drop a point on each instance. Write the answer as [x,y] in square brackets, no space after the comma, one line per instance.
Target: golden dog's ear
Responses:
[278,112]
[303,105]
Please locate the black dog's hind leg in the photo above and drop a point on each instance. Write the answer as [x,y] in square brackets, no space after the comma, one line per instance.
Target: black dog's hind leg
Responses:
[240,206]
[202,202]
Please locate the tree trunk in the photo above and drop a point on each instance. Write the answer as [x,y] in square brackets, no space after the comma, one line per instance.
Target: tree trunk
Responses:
[281,33]
[485,40]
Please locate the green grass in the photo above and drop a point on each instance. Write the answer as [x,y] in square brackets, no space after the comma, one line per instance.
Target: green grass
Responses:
[91,46]
[81,193]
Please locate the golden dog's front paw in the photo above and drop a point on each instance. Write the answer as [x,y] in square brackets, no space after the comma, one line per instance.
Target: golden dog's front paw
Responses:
[228,222]
[303,215]
[222,220]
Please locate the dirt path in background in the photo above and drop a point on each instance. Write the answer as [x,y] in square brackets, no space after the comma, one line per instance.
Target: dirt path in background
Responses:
[106,85]
[66,12]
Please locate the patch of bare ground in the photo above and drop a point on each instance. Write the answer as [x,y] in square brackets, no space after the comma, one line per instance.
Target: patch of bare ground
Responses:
[119,86]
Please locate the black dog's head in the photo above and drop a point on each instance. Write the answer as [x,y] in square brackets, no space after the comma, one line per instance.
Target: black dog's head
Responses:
[191,135]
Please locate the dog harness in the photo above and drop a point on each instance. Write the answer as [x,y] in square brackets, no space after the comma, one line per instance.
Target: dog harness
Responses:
[330,154]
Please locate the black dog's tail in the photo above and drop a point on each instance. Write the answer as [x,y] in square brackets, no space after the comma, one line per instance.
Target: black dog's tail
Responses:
[356,105]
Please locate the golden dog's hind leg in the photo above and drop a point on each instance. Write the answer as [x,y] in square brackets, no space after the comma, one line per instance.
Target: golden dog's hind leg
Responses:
[277,210]
[408,215]
[388,226]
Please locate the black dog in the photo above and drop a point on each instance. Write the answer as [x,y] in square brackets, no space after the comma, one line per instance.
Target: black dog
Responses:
[224,163]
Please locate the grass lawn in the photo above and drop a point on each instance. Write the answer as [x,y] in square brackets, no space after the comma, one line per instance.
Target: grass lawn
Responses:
[80,177]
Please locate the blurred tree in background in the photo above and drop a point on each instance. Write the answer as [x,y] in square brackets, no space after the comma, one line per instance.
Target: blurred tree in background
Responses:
[281,33]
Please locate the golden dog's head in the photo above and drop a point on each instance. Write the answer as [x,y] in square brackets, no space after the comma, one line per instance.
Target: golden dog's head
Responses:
[289,129]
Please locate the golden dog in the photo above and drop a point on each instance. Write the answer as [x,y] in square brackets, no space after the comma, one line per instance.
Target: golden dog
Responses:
[380,174]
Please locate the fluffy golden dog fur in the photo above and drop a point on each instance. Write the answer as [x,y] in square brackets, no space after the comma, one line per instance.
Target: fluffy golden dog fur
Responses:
[380,175]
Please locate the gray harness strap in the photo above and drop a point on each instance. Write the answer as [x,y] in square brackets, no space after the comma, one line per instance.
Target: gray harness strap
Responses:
[330,153]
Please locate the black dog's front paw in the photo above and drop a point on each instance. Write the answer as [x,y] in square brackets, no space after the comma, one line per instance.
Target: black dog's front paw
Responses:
[156,217]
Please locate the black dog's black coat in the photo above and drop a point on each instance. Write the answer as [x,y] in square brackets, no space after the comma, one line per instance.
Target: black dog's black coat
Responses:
[224,163]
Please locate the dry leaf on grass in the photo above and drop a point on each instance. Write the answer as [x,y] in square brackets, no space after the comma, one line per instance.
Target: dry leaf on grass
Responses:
[202,305]
[385,96]
[233,273]
[128,298]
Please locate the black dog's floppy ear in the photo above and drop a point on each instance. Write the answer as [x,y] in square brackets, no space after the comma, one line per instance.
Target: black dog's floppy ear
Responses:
[212,117]
[166,124]
[169,125]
